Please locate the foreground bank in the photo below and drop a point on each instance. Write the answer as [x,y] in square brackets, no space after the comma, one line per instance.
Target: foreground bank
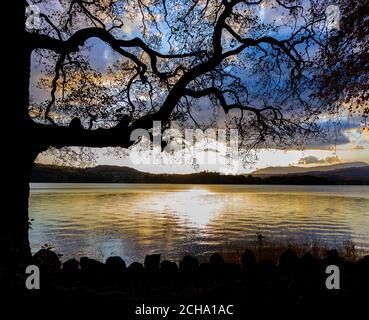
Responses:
[294,278]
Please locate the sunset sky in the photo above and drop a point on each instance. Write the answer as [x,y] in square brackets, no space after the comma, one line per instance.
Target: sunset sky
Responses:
[352,146]
[346,142]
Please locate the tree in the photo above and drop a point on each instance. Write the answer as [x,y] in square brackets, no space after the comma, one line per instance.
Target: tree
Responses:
[342,79]
[254,60]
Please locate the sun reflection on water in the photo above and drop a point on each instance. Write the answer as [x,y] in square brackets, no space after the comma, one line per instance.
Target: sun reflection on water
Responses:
[134,220]
[196,206]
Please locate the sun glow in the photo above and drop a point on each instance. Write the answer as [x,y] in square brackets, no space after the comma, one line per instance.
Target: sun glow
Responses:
[195,206]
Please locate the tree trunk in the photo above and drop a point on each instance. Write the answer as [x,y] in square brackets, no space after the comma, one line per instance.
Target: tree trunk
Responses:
[19,147]
[15,242]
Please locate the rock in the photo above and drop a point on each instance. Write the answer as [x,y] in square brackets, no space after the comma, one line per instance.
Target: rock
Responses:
[363,264]
[152,262]
[189,264]
[47,260]
[91,265]
[168,267]
[71,266]
[348,267]
[231,268]
[308,264]
[266,266]
[332,257]
[205,268]
[135,267]
[248,261]
[216,260]
[288,259]
[115,264]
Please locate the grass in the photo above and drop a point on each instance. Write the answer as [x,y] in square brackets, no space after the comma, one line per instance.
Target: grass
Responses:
[265,250]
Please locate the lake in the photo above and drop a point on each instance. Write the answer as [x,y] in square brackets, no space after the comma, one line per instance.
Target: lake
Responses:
[132,220]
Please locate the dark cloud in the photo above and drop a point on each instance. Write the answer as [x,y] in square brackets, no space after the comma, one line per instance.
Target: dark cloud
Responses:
[334,134]
[327,143]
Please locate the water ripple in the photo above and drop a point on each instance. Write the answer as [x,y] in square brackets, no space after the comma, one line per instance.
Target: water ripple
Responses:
[133,220]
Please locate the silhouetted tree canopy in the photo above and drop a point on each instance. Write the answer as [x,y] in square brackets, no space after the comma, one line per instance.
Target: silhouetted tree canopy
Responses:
[269,68]
[274,69]
[344,61]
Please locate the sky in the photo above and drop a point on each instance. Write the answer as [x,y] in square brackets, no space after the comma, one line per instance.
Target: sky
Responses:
[354,147]
[349,143]
[265,158]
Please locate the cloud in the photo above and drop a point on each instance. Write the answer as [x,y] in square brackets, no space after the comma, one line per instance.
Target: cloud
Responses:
[349,132]
[314,160]
[358,147]
[328,143]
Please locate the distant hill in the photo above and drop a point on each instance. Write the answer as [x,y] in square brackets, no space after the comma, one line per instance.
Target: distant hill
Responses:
[294,169]
[52,173]
[351,175]
[358,174]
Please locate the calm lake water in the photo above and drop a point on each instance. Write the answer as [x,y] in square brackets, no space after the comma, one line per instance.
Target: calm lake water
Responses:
[132,220]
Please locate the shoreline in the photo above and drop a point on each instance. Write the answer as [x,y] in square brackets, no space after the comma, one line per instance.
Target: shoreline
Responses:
[293,278]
